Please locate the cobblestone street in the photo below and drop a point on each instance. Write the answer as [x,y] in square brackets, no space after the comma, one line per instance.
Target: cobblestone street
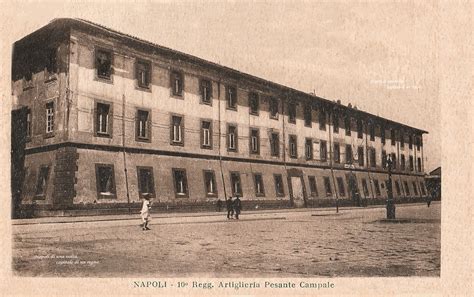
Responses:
[297,243]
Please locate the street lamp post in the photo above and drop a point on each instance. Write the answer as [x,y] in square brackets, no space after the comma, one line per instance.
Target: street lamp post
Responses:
[390,201]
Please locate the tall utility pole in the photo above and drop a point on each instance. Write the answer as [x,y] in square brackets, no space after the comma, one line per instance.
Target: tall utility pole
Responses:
[390,201]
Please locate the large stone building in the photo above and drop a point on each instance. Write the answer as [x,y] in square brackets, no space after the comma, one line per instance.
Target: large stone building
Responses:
[102,119]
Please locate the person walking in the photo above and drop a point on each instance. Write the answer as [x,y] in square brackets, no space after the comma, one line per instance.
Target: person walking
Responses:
[145,213]
[230,208]
[237,207]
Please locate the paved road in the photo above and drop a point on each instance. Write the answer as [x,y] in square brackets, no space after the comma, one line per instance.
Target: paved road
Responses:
[355,242]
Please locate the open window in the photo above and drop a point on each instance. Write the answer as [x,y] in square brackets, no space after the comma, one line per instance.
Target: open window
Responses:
[180,182]
[206,134]
[143,74]
[274,108]
[177,83]
[206,91]
[254,103]
[177,130]
[232,143]
[259,188]
[254,141]
[105,180]
[231,97]
[146,185]
[103,119]
[312,186]
[210,183]
[236,184]
[143,125]
[275,144]
[279,189]
[103,64]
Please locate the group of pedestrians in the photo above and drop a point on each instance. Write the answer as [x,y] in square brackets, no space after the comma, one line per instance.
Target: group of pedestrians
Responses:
[233,207]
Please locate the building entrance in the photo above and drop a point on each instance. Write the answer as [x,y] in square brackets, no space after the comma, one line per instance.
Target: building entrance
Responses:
[353,189]
[297,191]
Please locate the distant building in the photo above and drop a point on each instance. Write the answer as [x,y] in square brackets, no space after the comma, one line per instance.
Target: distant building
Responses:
[433,183]
[102,119]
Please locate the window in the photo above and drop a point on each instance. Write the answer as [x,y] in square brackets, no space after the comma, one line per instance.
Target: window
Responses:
[323,152]
[340,185]
[42,182]
[360,129]
[415,189]
[146,185]
[210,183]
[402,139]
[103,119]
[292,112]
[254,103]
[206,91]
[254,141]
[293,146]
[327,186]
[235,183]
[259,189]
[337,153]
[335,123]
[307,115]
[418,164]
[372,131]
[365,188]
[392,136]
[373,160]
[347,125]
[177,83]
[377,187]
[52,63]
[394,161]
[206,134]
[143,125]
[360,155]
[407,190]
[348,154]
[180,182]
[28,123]
[103,64]
[382,134]
[418,143]
[279,190]
[143,73]
[50,117]
[274,108]
[312,186]
[410,141]
[402,162]
[397,188]
[231,97]
[177,130]
[275,144]
[232,138]
[308,148]
[105,181]
[412,166]
[384,159]
[322,120]
[422,187]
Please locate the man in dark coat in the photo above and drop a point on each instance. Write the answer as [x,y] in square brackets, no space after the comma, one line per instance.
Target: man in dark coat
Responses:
[237,207]
[230,208]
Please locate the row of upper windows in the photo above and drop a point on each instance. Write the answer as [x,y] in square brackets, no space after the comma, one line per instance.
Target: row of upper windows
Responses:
[143,77]
[103,128]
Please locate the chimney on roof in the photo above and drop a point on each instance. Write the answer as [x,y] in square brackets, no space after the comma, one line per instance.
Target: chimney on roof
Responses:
[338,101]
[349,105]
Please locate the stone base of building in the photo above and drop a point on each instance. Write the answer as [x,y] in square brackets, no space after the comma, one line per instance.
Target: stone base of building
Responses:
[46,210]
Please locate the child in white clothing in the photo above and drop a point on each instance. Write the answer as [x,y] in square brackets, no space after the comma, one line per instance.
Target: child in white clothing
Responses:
[145,213]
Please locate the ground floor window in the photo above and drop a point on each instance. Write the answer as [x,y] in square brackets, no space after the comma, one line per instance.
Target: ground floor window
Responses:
[235,183]
[397,187]
[377,187]
[279,190]
[312,186]
[365,188]
[146,186]
[340,185]
[415,189]
[105,178]
[407,190]
[210,183]
[259,189]
[327,186]
[42,181]
[180,182]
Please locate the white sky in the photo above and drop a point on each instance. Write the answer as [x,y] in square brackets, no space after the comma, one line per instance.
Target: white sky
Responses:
[381,57]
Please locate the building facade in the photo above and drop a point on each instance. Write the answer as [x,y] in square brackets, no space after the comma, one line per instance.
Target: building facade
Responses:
[102,119]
